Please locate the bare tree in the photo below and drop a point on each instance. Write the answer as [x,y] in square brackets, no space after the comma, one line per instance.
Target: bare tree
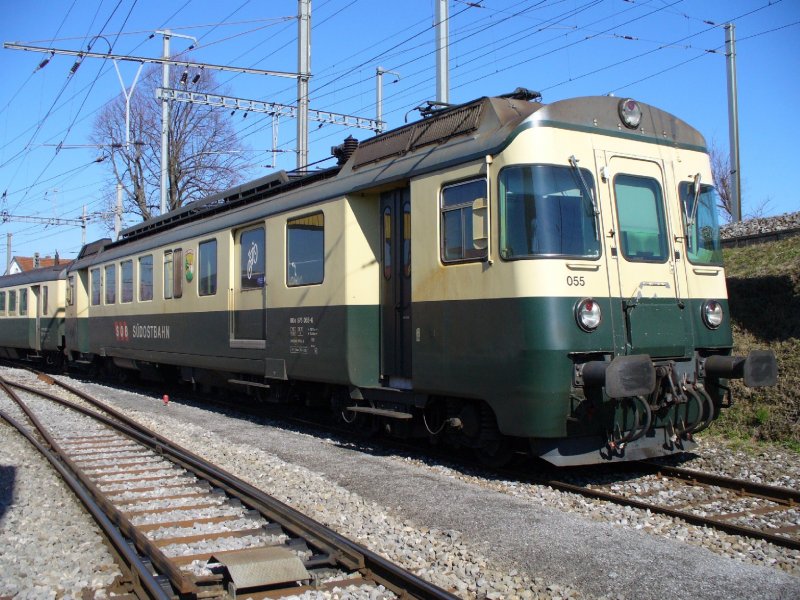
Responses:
[721,173]
[204,150]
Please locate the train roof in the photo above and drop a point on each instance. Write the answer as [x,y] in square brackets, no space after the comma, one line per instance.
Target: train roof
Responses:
[50,273]
[447,137]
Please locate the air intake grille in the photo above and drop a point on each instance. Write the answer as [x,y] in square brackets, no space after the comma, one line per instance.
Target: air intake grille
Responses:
[433,130]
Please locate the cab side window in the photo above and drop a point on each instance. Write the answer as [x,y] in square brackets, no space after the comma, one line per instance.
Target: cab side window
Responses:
[457,243]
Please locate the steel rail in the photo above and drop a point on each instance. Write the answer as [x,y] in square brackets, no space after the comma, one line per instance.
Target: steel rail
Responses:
[345,551]
[145,584]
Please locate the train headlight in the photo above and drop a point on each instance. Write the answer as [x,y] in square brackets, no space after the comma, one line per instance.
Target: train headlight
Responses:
[588,315]
[630,112]
[712,314]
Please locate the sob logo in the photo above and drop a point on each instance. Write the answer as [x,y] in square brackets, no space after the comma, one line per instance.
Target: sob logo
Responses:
[121,331]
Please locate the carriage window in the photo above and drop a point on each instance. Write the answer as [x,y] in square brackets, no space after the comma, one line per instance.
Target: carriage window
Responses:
[252,259]
[146,278]
[208,268]
[703,241]
[12,302]
[177,278]
[97,286]
[23,302]
[111,284]
[126,281]
[640,209]
[168,276]
[546,210]
[305,252]
[2,303]
[456,207]
[44,299]
[70,290]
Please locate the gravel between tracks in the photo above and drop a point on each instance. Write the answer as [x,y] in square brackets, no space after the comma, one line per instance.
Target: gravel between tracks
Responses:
[49,546]
[481,535]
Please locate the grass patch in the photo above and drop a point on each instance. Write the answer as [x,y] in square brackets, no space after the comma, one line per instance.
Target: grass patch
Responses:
[764,294]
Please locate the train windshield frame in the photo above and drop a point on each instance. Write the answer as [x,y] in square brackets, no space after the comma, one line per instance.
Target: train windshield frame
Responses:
[545,213]
[703,242]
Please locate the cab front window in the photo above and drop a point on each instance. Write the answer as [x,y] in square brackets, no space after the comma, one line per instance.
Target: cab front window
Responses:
[547,210]
[703,245]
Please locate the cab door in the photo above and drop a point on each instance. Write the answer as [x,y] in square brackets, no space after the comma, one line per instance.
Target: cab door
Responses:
[248,302]
[641,244]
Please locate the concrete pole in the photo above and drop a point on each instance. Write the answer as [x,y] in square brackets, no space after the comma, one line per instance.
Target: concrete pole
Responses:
[733,123]
[9,237]
[165,126]
[379,98]
[379,73]
[304,71]
[442,53]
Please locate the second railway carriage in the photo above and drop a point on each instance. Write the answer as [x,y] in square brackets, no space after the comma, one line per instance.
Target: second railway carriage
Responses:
[505,274]
[32,314]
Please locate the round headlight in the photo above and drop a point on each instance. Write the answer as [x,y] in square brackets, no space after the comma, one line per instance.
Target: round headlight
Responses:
[587,314]
[630,112]
[712,314]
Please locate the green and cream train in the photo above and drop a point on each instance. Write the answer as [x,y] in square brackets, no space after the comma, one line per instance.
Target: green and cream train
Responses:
[505,275]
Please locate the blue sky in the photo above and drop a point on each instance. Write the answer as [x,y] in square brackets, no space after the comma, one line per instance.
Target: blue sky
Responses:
[669,53]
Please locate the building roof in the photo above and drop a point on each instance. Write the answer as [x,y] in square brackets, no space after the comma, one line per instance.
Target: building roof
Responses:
[26,262]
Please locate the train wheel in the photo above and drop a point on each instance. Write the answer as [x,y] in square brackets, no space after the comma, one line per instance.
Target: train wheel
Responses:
[494,453]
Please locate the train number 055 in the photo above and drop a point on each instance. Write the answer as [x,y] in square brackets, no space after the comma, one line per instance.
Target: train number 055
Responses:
[576,281]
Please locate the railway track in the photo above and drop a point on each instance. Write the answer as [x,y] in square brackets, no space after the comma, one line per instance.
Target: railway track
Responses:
[702,499]
[698,498]
[180,527]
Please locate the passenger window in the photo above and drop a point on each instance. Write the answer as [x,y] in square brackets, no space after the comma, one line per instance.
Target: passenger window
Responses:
[208,268]
[126,281]
[12,302]
[305,250]
[146,278]
[456,208]
[177,280]
[640,209]
[387,243]
[23,303]
[97,286]
[70,290]
[111,284]
[252,259]
[2,303]
[44,299]
[168,275]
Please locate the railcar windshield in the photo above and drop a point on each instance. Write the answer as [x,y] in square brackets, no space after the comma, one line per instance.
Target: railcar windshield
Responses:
[546,211]
[703,242]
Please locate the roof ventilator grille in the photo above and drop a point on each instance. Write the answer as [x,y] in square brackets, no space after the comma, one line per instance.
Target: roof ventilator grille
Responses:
[436,129]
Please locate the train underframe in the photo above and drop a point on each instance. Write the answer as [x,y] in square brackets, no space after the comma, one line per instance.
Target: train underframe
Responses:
[629,408]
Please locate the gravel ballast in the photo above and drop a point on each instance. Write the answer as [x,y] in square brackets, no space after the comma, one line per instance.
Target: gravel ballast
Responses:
[49,546]
[482,536]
